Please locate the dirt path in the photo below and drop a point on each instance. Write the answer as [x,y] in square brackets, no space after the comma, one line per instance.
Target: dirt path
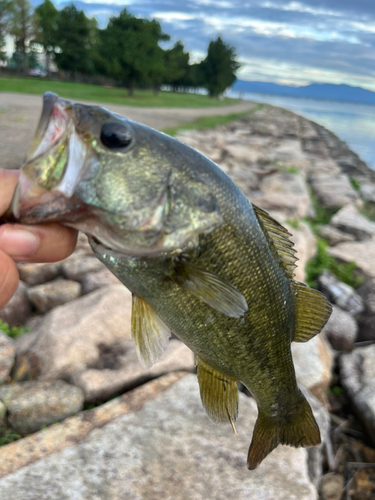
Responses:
[19,114]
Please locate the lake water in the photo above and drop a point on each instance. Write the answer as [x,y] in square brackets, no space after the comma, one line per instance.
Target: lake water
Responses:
[353,123]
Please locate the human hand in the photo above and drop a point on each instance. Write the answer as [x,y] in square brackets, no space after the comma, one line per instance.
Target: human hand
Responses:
[39,243]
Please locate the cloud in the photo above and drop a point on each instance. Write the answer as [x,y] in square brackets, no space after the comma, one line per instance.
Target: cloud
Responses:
[276,40]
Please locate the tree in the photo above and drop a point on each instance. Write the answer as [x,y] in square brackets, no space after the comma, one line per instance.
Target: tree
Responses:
[129,51]
[46,23]
[22,28]
[176,65]
[220,66]
[6,12]
[74,35]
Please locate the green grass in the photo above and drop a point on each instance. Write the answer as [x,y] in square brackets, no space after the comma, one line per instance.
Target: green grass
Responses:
[14,331]
[344,272]
[354,183]
[206,122]
[368,210]
[97,93]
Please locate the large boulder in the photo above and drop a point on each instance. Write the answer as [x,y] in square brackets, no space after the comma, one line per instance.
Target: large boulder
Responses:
[361,252]
[341,330]
[333,190]
[35,274]
[351,221]
[154,444]
[358,379]
[88,341]
[367,318]
[340,293]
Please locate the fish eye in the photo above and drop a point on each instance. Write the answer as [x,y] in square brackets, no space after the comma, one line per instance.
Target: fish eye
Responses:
[115,135]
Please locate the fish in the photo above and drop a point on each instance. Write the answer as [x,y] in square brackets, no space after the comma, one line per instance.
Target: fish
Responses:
[200,259]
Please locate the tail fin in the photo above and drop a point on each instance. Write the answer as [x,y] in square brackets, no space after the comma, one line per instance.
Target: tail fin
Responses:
[300,430]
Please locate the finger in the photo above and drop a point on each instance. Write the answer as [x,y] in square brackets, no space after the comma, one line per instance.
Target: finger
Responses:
[8,182]
[40,243]
[8,278]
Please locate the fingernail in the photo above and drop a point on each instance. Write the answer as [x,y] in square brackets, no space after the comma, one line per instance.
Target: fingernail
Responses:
[18,242]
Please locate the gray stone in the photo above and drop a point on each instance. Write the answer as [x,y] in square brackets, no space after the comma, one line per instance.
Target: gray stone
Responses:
[305,245]
[18,309]
[341,330]
[89,342]
[78,265]
[94,281]
[7,356]
[285,192]
[35,274]
[31,405]
[366,320]
[333,191]
[332,486]
[3,412]
[313,362]
[55,293]
[350,220]
[358,379]
[335,236]
[166,449]
[362,253]
[340,293]
[367,192]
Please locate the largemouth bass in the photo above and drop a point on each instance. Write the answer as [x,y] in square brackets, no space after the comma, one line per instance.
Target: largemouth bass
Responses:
[200,260]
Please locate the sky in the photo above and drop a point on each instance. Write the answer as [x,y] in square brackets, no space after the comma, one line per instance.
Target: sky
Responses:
[280,41]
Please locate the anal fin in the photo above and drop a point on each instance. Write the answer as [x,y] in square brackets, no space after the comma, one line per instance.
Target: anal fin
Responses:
[219,393]
[149,332]
[300,429]
[312,312]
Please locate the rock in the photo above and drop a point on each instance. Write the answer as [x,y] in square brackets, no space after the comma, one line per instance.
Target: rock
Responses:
[313,364]
[341,330]
[162,449]
[367,192]
[3,412]
[55,293]
[287,193]
[358,379]
[35,274]
[18,309]
[94,281]
[7,356]
[305,244]
[332,486]
[362,253]
[88,341]
[31,405]
[77,266]
[114,373]
[350,220]
[367,318]
[340,293]
[335,236]
[333,191]
[26,367]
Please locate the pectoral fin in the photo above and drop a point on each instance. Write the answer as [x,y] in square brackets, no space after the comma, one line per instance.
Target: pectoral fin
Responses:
[214,290]
[312,312]
[149,333]
[219,393]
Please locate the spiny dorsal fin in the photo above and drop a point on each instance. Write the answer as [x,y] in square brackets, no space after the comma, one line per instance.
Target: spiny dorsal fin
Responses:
[219,393]
[149,333]
[312,312]
[279,236]
[212,289]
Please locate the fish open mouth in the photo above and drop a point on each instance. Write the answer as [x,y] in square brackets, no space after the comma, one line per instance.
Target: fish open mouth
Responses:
[53,165]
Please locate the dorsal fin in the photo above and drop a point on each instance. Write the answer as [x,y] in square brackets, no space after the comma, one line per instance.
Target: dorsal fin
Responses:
[312,312]
[279,237]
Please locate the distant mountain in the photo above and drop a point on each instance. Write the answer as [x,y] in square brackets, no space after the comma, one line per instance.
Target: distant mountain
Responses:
[314,91]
